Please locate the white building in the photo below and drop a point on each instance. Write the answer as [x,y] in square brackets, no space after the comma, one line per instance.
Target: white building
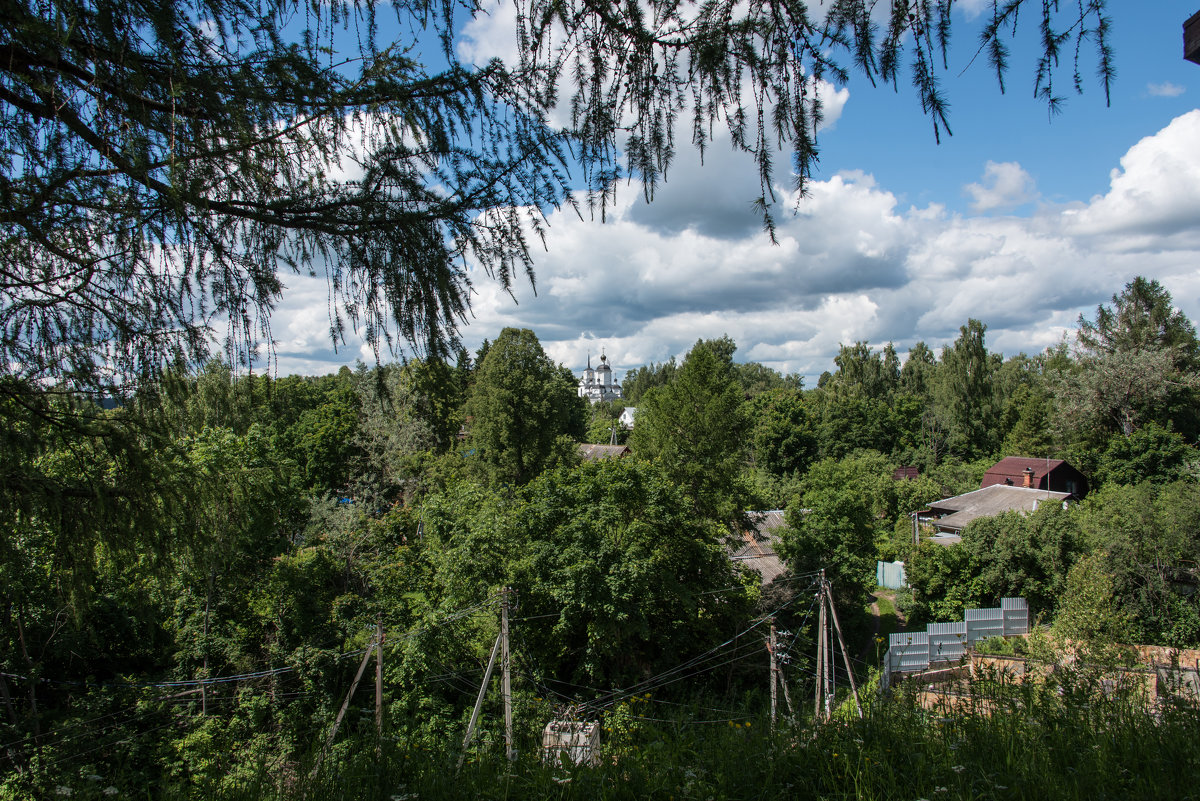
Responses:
[599,384]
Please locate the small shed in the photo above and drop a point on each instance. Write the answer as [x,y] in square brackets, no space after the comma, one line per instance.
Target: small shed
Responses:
[576,740]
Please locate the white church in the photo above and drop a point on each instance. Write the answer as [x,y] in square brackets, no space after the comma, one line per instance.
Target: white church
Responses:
[598,384]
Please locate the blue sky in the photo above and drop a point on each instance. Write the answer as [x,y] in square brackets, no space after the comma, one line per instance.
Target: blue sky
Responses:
[1019,220]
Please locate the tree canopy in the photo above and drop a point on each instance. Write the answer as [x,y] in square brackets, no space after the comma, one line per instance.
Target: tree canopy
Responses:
[520,405]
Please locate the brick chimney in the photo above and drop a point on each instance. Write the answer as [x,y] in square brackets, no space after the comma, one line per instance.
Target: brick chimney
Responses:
[1027,475]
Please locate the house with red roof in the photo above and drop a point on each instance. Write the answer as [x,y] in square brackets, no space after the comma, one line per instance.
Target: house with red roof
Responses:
[1013,484]
[1052,475]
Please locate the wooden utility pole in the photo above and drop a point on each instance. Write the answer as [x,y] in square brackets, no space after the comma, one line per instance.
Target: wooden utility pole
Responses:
[378,679]
[820,652]
[506,675]
[342,712]
[771,654]
[787,697]
[487,677]
[845,658]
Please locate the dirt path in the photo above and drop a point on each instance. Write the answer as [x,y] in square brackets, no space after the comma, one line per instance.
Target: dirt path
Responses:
[883,623]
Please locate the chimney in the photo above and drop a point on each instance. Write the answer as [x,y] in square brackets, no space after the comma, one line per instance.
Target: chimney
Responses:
[1027,474]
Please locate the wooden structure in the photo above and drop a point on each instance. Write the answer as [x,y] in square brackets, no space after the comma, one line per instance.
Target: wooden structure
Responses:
[575,741]
[1191,38]
[1053,475]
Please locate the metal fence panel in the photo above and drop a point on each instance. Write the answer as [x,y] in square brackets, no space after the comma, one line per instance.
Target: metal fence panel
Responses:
[984,623]
[1016,616]
[946,642]
[890,575]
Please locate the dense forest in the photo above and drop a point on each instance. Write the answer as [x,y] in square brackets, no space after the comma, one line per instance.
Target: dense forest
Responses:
[190,576]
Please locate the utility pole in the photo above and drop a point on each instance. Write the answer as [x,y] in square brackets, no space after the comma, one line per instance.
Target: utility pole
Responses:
[487,676]
[827,635]
[342,712]
[771,654]
[820,689]
[845,659]
[787,697]
[506,675]
[378,681]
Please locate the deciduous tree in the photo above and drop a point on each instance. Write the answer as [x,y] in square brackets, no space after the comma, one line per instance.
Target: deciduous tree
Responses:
[694,427]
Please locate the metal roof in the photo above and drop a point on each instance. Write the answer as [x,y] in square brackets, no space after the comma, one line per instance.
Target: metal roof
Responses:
[594,453]
[988,502]
[757,551]
[1011,469]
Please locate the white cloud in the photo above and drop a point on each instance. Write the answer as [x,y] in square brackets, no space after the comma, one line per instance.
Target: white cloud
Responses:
[852,263]
[971,9]
[1153,201]
[1004,186]
[1165,89]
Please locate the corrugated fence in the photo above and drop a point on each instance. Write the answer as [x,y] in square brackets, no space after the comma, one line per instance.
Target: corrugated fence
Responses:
[890,575]
[946,642]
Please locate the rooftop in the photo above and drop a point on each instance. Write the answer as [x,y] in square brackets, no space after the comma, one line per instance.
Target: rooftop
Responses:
[990,501]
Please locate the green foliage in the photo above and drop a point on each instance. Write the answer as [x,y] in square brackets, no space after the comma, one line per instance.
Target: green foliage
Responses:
[1026,419]
[1009,646]
[1147,537]
[1089,613]
[1006,556]
[519,406]
[966,394]
[638,382]
[757,378]
[1136,365]
[831,528]
[604,421]
[944,583]
[782,434]
[1150,453]
[694,428]
[612,552]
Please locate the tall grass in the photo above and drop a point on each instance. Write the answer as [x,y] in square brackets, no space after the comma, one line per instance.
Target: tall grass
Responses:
[1050,741]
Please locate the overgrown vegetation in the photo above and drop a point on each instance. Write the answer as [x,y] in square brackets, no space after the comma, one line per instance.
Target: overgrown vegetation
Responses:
[190,580]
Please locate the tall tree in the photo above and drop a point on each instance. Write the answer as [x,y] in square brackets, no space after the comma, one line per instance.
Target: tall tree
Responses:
[694,428]
[965,393]
[1136,363]
[520,406]
[783,435]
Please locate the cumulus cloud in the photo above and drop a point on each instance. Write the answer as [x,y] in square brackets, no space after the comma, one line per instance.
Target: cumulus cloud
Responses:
[1004,186]
[852,262]
[1164,89]
[1153,201]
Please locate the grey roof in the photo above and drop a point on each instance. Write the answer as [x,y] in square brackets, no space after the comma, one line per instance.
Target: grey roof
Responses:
[989,501]
[757,550]
[594,453]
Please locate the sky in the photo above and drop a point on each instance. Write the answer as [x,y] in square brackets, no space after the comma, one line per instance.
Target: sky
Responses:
[1021,219]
